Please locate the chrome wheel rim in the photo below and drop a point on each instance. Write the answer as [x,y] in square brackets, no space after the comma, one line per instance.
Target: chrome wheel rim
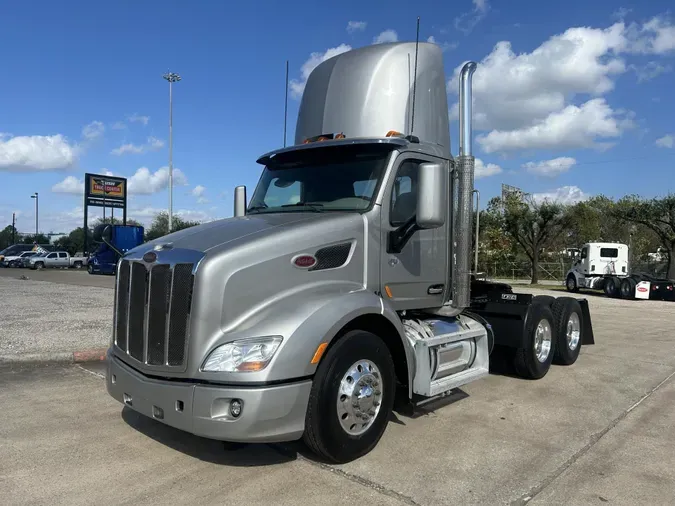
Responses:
[573,331]
[359,397]
[542,340]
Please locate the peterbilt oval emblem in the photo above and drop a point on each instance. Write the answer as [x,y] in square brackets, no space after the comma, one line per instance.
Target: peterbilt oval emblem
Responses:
[642,289]
[304,261]
[150,257]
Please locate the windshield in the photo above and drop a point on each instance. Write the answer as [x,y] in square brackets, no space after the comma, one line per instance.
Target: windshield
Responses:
[337,178]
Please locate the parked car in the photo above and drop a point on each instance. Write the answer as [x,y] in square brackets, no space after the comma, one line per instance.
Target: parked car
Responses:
[17,260]
[16,249]
[54,259]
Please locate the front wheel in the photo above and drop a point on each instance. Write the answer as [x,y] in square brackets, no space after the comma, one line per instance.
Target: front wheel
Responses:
[351,398]
[572,284]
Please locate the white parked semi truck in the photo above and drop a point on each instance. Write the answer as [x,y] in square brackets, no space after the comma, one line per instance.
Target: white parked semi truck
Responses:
[344,289]
[605,266]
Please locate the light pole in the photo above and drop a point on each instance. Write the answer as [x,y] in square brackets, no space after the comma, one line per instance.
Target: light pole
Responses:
[36,213]
[172,77]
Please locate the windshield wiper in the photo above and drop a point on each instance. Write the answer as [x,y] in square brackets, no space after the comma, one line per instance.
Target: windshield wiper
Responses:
[314,206]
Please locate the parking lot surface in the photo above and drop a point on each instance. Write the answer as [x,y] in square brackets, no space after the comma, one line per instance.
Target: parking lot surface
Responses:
[600,431]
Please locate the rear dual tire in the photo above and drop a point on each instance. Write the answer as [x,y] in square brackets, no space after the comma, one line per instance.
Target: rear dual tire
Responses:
[553,335]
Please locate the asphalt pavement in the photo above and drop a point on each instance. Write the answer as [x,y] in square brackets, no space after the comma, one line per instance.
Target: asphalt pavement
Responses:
[72,277]
[600,431]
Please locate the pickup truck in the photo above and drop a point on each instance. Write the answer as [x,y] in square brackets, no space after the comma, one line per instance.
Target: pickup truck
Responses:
[53,259]
[79,260]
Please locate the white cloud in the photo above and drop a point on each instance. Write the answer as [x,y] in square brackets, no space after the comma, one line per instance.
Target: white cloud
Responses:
[356,26]
[136,118]
[147,214]
[298,86]
[650,70]
[198,192]
[482,170]
[386,36]
[524,94]
[93,130]
[36,153]
[550,168]
[445,46]
[656,36]
[573,127]
[564,195]
[667,141]
[118,125]
[467,21]
[153,144]
[74,186]
[69,185]
[144,182]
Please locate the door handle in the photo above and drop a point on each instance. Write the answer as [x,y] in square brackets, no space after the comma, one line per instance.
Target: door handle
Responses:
[435,289]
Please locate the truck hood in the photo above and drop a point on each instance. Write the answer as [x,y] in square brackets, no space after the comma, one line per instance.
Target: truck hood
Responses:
[216,234]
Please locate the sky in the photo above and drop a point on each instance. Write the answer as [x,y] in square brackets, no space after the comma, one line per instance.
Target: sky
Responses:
[571,99]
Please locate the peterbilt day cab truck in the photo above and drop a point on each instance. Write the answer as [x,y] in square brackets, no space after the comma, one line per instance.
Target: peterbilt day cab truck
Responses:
[605,266]
[344,288]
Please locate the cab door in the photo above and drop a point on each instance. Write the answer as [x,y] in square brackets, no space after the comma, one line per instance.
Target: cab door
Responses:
[415,277]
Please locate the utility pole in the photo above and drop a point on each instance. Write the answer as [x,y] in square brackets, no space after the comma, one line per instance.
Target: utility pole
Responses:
[35,196]
[13,228]
[172,78]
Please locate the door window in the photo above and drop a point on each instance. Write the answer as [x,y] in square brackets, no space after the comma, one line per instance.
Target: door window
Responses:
[403,204]
[51,255]
[63,255]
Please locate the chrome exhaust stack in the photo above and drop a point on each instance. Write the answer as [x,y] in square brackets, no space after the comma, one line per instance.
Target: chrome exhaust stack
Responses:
[463,190]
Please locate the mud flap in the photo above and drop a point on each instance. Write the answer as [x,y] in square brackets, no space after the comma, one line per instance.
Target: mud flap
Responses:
[588,336]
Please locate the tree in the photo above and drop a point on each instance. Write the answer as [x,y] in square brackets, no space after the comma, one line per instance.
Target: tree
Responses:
[534,226]
[658,215]
[39,238]
[160,225]
[8,236]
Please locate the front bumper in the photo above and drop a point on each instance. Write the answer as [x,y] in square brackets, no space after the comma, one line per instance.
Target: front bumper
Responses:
[269,414]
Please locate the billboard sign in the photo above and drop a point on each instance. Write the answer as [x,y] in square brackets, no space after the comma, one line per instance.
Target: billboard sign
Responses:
[105,191]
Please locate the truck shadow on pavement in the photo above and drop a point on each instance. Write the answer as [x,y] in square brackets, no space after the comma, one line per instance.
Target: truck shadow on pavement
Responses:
[207,450]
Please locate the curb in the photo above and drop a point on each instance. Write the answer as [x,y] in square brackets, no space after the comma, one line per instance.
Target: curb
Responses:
[97,355]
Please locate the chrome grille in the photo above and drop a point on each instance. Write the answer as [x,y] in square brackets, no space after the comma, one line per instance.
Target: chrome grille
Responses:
[153,311]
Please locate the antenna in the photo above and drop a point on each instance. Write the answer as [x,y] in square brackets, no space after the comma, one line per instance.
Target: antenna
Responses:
[286,104]
[417,42]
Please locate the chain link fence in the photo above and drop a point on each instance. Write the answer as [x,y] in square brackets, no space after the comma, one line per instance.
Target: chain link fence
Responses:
[553,270]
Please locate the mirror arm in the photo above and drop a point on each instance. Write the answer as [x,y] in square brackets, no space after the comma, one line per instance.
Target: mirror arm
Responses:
[400,236]
[112,247]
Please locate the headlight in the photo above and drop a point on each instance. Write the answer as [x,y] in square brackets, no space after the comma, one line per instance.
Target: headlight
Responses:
[246,355]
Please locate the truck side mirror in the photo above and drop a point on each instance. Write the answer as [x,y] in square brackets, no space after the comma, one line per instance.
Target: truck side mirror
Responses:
[431,196]
[103,233]
[240,201]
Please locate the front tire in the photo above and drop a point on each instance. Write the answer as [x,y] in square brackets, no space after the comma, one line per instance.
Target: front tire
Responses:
[351,399]
[534,360]
[571,284]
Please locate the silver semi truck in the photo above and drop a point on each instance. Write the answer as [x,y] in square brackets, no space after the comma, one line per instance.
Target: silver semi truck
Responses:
[344,289]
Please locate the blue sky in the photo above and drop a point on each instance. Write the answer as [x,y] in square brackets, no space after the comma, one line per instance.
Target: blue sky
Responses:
[571,98]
